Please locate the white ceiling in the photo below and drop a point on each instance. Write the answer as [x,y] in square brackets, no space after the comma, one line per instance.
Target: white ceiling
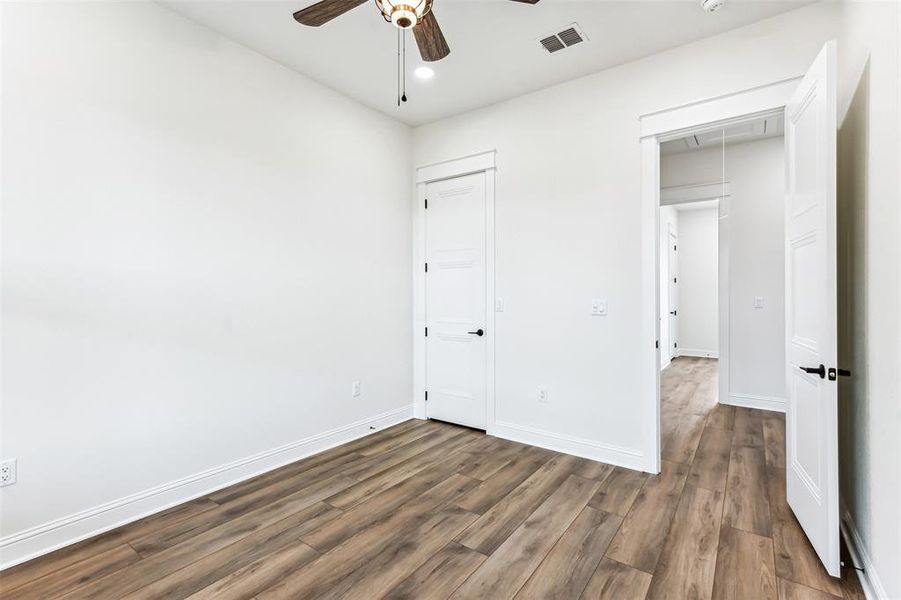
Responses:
[494,50]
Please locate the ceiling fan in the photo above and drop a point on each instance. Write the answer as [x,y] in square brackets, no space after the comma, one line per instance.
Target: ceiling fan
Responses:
[403,14]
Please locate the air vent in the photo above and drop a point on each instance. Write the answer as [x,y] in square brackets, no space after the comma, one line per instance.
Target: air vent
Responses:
[570,36]
[552,43]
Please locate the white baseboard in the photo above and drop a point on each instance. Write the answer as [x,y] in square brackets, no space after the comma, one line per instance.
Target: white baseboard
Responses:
[25,545]
[606,453]
[869,580]
[698,353]
[751,401]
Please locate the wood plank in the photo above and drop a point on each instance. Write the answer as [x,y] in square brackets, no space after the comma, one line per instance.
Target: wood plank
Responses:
[710,467]
[367,488]
[744,566]
[615,581]
[774,439]
[748,427]
[439,576]
[492,490]
[493,527]
[618,491]
[688,559]
[376,508]
[747,506]
[483,463]
[258,545]
[381,463]
[238,504]
[640,538]
[681,444]
[341,565]
[565,572]
[722,416]
[150,569]
[592,469]
[19,575]
[789,590]
[76,575]
[258,575]
[795,558]
[402,558]
[510,566]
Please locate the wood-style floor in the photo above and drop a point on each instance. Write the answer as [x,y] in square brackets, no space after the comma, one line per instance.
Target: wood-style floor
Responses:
[429,510]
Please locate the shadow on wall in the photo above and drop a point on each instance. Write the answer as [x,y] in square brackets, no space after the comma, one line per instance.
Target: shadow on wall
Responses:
[852,201]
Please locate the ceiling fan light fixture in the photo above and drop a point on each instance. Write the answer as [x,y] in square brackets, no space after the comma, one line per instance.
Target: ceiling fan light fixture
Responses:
[404,14]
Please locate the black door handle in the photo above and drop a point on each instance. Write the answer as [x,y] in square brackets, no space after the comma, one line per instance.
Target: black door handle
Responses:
[672,312]
[478,332]
[821,370]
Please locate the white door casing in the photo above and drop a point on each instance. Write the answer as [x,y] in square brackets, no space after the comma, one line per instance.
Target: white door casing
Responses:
[811,297]
[673,293]
[456,300]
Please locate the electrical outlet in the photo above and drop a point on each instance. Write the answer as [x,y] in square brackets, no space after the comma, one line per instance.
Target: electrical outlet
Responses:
[542,395]
[8,472]
[355,389]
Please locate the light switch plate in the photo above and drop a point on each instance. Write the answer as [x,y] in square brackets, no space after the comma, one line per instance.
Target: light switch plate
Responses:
[599,307]
[499,305]
[542,395]
[758,301]
[355,389]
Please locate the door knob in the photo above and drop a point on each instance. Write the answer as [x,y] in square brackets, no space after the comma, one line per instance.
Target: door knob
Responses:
[672,312]
[821,370]
[477,332]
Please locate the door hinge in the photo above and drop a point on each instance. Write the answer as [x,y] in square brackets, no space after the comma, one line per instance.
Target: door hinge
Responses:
[675,344]
[427,267]
[427,332]
[674,248]
[657,344]
[427,395]
[426,203]
[674,280]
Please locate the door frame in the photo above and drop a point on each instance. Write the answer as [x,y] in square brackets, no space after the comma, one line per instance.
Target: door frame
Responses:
[470,164]
[655,128]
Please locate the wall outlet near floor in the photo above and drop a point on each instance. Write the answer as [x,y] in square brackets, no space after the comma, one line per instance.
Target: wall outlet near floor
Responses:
[355,389]
[599,307]
[8,472]
[542,395]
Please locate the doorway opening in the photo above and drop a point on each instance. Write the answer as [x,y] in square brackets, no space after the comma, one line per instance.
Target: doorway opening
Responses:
[722,290]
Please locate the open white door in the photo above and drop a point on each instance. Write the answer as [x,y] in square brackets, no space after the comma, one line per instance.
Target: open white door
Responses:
[810,289]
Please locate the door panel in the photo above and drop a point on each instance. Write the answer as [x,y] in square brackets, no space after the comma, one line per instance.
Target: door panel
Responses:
[811,331]
[456,300]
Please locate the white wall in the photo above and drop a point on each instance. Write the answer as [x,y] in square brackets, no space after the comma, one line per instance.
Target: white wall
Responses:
[869,265]
[698,281]
[201,251]
[754,226]
[669,221]
[568,225]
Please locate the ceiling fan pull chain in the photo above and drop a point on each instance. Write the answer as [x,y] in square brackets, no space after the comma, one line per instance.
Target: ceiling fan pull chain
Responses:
[404,68]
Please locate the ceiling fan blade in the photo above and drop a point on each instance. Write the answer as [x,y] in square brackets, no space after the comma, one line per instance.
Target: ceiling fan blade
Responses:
[431,42]
[324,11]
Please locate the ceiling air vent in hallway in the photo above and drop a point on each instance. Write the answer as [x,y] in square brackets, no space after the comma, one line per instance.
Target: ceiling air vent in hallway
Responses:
[570,36]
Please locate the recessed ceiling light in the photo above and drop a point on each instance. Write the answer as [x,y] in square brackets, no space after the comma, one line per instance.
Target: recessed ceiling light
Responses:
[424,72]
